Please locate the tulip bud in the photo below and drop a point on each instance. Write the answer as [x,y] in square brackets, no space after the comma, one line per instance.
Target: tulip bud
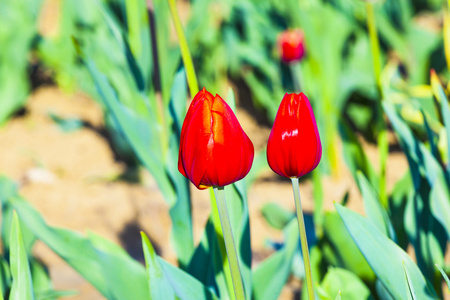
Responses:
[294,147]
[214,150]
[291,45]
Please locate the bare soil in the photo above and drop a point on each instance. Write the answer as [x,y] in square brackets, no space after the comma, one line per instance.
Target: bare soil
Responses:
[72,178]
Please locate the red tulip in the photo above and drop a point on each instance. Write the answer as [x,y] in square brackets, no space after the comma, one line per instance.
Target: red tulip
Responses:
[214,150]
[294,147]
[291,44]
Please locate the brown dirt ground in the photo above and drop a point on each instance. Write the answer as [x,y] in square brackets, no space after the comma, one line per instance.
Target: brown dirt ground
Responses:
[70,179]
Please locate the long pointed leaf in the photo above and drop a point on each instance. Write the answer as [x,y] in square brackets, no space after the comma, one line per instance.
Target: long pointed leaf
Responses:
[114,273]
[444,275]
[169,282]
[159,287]
[373,208]
[411,290]
[271,275]
[385,257]
[22,287]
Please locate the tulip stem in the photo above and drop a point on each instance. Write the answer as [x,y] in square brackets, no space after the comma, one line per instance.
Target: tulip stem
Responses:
[229,243]
[215,218]
[185,54]
[296,76]
[303,240]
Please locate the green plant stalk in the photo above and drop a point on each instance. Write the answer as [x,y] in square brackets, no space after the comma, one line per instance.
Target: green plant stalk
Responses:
[303,240]
[383,143]
[318,201]
[229,243]
[374,42]
[296,76]
[185,53]
[215,218]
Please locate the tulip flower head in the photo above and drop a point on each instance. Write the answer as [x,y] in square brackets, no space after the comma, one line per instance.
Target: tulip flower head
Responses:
[294,147]
[214,150]
[291,45]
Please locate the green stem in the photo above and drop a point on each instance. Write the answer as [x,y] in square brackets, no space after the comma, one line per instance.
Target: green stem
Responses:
[229,243]
[215,218]
[296,76]
[303,241]
[383,143]
[185,54]
[374,42]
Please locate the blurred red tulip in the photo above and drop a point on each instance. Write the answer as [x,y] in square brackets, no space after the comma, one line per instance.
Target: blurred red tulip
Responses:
[214,150]
[294,147]
[291,45]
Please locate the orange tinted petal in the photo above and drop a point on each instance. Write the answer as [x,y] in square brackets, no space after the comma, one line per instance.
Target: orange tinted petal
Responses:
[214,150]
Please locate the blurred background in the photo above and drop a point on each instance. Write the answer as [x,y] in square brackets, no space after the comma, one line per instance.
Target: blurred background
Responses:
[60,140]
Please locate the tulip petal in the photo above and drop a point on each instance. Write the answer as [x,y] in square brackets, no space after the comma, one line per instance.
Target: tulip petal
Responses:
[294,147]
[214,150]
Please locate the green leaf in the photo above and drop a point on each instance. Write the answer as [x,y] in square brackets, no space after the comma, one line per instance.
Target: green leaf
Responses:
[22,287]
[177,105]
[344,283]
[277,216]
[231,99]
[138,130]
[141,131]
[114,273]
[271,275]
[340,250]
[66,124]
[385,257]
[421,161]
[444,275]
[159,286]
[52,294]
[411,291]
[355,156]
[445,111]
[169,282]
[259,165]
[207,263]
[373,208]
[8,189]
[402,193]
[5,276]
[40,278]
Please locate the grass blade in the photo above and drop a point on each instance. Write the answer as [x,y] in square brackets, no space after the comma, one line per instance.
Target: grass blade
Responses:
[443,275]
[411,291]
[22,287]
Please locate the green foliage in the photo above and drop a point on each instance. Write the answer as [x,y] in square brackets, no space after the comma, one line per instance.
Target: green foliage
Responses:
[373,208]
[168,282]
[271,275]
[22,288]
[105,265]
[444,275]
[385,257]
[344,284]
[276,216]
[17,23]
[121,53]
[141,117]
[339,250]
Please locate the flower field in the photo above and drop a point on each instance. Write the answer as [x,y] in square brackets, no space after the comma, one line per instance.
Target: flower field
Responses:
[224,150]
